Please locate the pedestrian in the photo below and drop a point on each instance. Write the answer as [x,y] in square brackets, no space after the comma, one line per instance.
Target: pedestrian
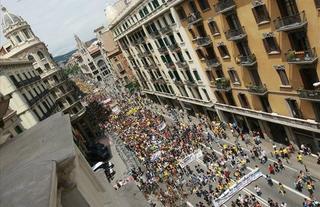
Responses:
[299,158]
[258,190]
[271,169]
[281,189]
[283,204]
[269,180]
[310,189]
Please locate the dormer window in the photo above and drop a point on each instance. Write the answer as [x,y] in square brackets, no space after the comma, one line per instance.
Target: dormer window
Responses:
[26,33]
[18,38]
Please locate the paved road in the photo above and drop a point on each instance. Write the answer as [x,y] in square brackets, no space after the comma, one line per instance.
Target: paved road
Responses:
[287,177]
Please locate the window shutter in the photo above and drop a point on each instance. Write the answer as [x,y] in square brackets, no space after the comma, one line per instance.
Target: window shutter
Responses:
[255,14]
[266,45]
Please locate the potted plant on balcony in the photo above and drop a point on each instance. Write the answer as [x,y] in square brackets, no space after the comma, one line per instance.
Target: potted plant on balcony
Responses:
[291,56]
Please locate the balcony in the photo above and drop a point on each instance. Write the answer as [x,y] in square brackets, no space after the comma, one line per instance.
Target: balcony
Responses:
[222,84]
[144,54]
[310,95]
[150,66]
[174,47]
[259,90]
[181,64]
[166,29]
[236,34]
[290,22]
[170,65]
[162,49]
[203,41]
[224,6]
[213,63]
[302,57]
[190,83]
[154,34]
[194,18]
[37,98]
[246,61]
[26,82]
[178,82]
[138,41]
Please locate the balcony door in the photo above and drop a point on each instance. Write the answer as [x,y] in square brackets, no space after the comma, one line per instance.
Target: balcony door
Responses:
[230,98]
[233,21]
[255,78]
[210,53]
[201,31]
[309,76]
[287,7]
[299,40]
[192,6]
[243,48]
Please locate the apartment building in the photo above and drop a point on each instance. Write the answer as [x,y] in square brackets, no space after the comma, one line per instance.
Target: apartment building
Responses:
[92,61]
[119,63]
[30,97]
[258,57]
[29,94]
[156,45]
[265,71]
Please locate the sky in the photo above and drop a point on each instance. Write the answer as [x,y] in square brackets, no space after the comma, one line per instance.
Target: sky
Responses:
[56,21]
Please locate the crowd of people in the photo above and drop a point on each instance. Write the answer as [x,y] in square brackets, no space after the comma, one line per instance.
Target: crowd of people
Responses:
[161,147]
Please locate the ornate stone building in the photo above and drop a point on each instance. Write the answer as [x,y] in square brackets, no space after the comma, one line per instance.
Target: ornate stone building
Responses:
[24,44]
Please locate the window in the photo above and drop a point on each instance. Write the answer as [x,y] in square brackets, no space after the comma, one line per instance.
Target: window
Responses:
[26,33]
[243,100]
[270,44]
[200,54]
[18,39]
[317,3]
[155,3]
[223,50]
[196,75]
[36,113]
[206,93]
[294,108]
[204,5]
[47,66]
[171,18]
[40,54]
[261,14]
[181,13]
[192,34]
[214,28]
[18,129]
[180,37]
[283,77]
[234,76]
[188,54]
[13,79]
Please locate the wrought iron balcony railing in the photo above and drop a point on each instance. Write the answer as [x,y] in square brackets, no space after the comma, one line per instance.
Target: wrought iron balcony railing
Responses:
[236,34]
[302,57]
[249,60]
[290,22]
[224,6]
[258,89]
[194,17]
[309,94]
[203,41]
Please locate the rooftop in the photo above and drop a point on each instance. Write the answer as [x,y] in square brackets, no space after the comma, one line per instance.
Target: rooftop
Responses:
[28,162]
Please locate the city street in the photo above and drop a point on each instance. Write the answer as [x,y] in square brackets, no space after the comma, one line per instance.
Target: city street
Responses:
[292,169]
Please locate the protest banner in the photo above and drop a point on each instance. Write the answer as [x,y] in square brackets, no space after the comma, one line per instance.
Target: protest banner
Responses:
[187,160]
[235,188]
[156,155]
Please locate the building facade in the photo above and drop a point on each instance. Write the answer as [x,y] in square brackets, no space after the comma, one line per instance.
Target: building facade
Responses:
[92,62]
[157,47]
[30,97]
[120,65]
[259,58]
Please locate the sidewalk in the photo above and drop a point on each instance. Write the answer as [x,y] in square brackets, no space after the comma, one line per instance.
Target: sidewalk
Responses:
[309,161]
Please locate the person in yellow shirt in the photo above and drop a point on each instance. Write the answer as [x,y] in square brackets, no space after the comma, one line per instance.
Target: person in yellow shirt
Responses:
[299,158]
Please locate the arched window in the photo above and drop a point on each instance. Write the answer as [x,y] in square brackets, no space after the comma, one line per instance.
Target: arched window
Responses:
[31,58]
[102,65]
[40,54]
[99,78]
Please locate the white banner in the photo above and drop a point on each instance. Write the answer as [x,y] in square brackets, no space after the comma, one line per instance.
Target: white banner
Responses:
[190,158]
[235,188]
[156,155]
[187,160]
